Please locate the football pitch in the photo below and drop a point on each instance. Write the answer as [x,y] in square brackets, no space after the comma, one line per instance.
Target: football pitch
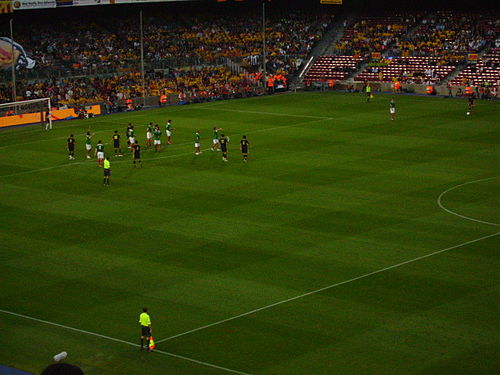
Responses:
[348,244]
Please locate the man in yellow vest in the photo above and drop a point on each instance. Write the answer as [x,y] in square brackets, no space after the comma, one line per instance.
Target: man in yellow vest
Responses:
[146,329]
[107,171]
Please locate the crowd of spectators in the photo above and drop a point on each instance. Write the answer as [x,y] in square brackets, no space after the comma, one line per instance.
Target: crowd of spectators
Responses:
[109,51]
[106,52]
[104,45]
[436,41]
[290,40]
[449,35]
[210,82]
[374,33]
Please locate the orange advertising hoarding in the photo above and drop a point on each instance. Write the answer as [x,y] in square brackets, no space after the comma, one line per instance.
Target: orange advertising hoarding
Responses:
[33,118]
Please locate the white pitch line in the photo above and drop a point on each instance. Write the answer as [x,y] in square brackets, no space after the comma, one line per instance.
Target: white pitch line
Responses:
[326,288]
[122,342]
[440,204]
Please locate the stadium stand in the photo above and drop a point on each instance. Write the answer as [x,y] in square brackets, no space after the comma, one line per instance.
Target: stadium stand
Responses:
[423,70]
[485,72]
[207,82]
[364,35]
[369,34]
[414,48]
[106,52]
[113,45]
[409,47]
[449,35]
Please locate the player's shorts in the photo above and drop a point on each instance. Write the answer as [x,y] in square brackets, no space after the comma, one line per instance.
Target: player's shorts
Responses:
[88,147]
[145,331]
[244,150]
[100,155]
[157,142]
[107,172]
[196,145]
[392,110]
[137,156]
[169,133]
[369,93]
[71,147]
[149,135]
[223,149]
[215,141]
[116,144]
[131,140]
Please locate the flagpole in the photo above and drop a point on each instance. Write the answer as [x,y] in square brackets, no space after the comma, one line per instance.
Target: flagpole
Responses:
[14,94]
[264,38]
[142,63]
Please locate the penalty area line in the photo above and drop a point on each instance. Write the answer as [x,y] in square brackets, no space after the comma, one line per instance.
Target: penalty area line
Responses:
[327,287]
[206,364]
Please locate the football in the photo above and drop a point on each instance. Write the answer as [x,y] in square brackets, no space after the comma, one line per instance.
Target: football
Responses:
[468,113]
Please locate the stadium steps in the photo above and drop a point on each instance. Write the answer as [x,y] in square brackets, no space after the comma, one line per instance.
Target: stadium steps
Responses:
[454,73]
[351,76]
[460,67]
[324,46]
[363,66]
[338,32]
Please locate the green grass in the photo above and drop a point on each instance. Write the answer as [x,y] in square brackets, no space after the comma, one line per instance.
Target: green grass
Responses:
[333,190]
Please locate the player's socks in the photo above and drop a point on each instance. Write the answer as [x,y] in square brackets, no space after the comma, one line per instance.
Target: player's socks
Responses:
[147,346]
[104,182]
[142,344]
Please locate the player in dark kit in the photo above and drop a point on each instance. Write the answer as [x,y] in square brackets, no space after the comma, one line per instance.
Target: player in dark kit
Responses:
[471,101]
[223,146]
[116,144]
[137,154]
[71,147]
[244,144]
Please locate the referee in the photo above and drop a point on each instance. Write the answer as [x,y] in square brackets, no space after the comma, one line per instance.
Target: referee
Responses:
[146,329]
[107,171]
